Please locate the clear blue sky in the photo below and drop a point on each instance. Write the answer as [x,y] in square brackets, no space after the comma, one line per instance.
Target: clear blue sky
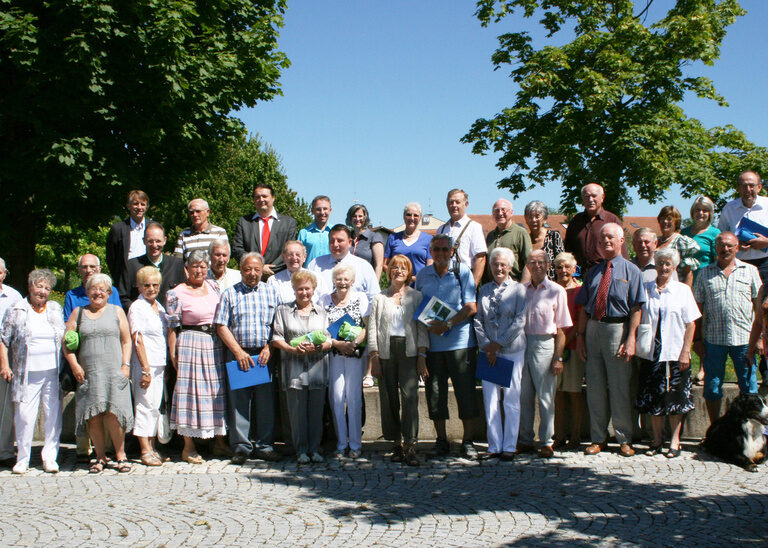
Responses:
[379,94]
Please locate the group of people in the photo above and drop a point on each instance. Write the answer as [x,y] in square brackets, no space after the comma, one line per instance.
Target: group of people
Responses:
[170,341]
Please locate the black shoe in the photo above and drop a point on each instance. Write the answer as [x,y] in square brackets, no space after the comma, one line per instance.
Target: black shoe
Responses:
[267,453]
[238,458]
[8,463]
[441,449]
[398,454]
[468,449]
[654,450]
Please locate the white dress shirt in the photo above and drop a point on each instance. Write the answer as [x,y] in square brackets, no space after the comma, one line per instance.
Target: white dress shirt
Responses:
[677,307]
[472,241]
[137,248]
[365,277]
[732,214]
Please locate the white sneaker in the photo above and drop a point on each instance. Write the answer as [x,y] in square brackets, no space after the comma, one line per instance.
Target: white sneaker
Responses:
[51,466]
[20,468]
[303,459]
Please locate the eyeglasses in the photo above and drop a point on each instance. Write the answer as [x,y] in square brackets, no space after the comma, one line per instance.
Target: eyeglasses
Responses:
[436,248]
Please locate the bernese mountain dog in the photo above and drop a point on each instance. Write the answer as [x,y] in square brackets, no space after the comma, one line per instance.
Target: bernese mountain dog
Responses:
[739,436]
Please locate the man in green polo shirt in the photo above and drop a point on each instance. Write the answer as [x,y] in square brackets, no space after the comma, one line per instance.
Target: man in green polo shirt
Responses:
[512,236]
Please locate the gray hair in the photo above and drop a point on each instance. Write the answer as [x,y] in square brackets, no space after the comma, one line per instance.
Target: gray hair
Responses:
[667,254]
[584,188]
[542,253]
[80,260]
[536,206]
[197,256]
[438,237]
[2,265]
[565,256]
[251,255]
[217,243]
[704,203]
[504,253]
[643,230]
[615,227]
[342,267]
[203,202]
[41,274]
[99,279]
[413,205]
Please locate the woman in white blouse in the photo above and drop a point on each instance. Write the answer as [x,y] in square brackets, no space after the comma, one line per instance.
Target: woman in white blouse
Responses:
[347,361]
[499,326]
[665,363]
[30,359]
[148,326]
[398,348]
[294,254]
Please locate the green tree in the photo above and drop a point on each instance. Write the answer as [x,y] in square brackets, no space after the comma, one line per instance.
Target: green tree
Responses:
[227,186]
[100,96]
[604,107]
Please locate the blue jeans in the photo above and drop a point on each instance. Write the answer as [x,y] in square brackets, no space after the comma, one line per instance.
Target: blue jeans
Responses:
[714,369]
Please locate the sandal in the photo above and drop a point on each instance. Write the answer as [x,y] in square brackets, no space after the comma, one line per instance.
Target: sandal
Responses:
[161,458]
[151,459]
[123,466]
[698,382]
[97,467]
[368,381]
[192,458]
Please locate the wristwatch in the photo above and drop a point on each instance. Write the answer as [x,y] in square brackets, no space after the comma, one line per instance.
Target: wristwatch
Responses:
[560,359]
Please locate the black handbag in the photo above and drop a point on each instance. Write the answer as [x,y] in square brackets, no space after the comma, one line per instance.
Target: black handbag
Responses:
[67,380]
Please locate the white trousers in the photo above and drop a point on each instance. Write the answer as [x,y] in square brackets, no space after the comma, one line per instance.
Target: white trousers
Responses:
[502,435]
[345,391]
[40,385]
[147,401]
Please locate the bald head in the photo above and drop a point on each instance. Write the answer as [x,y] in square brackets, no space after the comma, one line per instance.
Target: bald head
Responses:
[502,213]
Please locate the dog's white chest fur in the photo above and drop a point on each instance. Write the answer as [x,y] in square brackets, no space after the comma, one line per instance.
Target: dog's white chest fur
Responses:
[753,438]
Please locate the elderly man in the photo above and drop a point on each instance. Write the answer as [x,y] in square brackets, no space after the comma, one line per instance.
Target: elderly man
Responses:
[512,236]
[201,233]
[452,345]
[8,297]
[171,268]
[87,266]
[469,245]
[125,240]
[612,296]
[582,237]
[340,244]
[727,293]
[314,237]
[219,253]
[294,256]
[264,231]
[244,324]
[546,316]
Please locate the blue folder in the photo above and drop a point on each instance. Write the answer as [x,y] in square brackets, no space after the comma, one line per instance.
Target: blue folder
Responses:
[749,230]
[333,329]
[255,375]
[500,373]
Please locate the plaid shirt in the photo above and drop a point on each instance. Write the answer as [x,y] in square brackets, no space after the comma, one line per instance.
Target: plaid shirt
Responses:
[248,313]
[726,302]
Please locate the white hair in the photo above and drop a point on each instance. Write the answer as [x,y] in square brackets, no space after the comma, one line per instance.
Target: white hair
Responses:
[343,268]
[205,204]
[412,205]
[504,253]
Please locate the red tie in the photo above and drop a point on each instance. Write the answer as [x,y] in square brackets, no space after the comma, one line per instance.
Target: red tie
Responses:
[602,293]
[265,234]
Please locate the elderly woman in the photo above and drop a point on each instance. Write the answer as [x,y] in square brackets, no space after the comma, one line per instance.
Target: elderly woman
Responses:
[30,359]
[199,400]
[294,255]
[347,362]
[102,367]
[499,328]
[542,237]
[546,317]
[411,242]
[703,233]
[304,364]
[665,382]
[366,243]
[398,348]
[669,222]
[570,381]
[148,324]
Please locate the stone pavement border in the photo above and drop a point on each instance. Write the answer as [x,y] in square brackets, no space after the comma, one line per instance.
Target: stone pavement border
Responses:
[570,499]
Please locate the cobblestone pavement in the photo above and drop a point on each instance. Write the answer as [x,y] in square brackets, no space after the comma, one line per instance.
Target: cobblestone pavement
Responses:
[571,499]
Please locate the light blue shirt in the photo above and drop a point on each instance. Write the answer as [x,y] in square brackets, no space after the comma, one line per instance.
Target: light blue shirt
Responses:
[76,297]
[455,293]
[315,240]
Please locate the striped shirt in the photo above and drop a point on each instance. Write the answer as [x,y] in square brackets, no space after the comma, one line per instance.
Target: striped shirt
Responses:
[190,240]
[726,302]
[248,312]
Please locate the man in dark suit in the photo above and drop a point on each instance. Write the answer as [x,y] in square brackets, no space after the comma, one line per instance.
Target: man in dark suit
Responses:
[125,240]
[171,268]
[264,231]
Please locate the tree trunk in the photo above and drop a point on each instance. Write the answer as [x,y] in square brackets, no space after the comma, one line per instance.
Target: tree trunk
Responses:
[18,234]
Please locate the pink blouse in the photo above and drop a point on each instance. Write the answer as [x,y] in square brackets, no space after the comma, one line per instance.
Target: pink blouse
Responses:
[186,308]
